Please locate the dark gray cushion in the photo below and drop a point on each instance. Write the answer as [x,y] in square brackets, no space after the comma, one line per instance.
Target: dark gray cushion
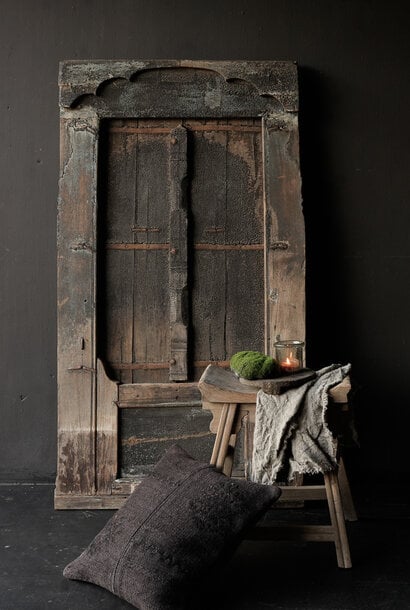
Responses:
[172,529]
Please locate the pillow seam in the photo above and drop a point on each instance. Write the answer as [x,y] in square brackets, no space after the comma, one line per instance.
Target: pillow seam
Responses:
[150,516]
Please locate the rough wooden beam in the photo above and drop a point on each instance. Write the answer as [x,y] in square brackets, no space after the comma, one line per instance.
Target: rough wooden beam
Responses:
[284,224]
[270,79]
[76,306]
[178,256]
[106,430]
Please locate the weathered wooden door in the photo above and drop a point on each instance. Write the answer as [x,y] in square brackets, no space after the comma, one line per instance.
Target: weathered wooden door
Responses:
[182,213]
[181,242]
[182,281]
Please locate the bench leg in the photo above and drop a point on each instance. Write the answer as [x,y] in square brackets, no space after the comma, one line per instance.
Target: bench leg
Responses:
[228,464]
[347,500]
[337,520]
[223,435]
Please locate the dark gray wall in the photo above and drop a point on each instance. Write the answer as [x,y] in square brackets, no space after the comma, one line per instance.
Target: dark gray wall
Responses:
[353,58]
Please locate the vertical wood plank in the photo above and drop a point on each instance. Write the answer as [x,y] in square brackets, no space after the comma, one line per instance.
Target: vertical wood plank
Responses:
[178,256]
[228,210]
[244,269]
[80,452]
[208,200]
[151,314]
[135,283]
[116,218]
[107,430]
[244,302]
[244,203]
[77,208]
[284,231]
[118,312]
[151,274]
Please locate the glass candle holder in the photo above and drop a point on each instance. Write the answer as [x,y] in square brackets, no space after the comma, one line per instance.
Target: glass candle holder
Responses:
[289,354]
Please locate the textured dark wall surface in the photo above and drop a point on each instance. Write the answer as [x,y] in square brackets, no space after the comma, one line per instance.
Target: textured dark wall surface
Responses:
[354,87]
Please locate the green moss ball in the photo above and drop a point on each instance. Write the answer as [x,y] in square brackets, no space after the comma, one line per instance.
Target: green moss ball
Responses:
[254,365]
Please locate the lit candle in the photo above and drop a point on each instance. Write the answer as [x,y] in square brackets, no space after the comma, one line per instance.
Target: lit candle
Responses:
[289,354]
[290,364]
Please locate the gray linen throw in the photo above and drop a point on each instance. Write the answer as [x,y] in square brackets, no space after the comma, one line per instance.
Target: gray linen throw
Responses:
[291,429]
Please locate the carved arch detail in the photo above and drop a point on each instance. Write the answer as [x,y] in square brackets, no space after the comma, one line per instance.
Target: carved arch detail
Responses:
[90,93]
[276,81]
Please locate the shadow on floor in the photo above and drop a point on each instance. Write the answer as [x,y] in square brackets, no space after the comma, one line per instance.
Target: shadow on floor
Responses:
[37,542]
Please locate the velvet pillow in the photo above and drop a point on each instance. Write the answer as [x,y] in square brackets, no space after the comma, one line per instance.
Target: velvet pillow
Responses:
[176,525]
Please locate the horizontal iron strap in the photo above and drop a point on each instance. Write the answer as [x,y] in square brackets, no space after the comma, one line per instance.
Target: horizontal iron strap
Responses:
[145,229]
[146,366]
[228,247]
[190,126]
[129,246]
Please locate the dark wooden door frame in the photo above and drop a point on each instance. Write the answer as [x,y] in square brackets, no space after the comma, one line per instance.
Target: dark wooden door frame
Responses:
[91,91]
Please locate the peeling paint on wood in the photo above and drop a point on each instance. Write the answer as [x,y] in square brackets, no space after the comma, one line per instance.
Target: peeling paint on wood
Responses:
[146,433]
[178,255]
[271,79]
[244,219]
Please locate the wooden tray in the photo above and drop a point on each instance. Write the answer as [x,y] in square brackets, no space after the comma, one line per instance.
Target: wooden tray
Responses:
[277,385]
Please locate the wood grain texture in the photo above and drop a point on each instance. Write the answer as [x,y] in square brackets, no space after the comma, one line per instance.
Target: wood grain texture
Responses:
[228,416]
[77,209]
[153,393]
[147,432]
[135,276]
[178,255]
[226,234]
[270,79]
[106,431]
[285,265]
[116,286]
[227,304]
[239,119]
[94,502]
[151,293]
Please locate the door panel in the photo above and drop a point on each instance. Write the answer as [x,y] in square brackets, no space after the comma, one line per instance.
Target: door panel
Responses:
[117,287]
[225,287]
[134,278]
[224,233]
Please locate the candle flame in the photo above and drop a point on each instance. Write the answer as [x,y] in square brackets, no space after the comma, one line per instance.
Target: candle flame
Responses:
[290,362]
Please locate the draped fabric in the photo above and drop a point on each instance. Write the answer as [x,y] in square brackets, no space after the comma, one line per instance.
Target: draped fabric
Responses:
[291,431]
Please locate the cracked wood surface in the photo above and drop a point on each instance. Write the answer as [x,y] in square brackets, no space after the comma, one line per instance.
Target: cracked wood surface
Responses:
[272,79]
[246,242]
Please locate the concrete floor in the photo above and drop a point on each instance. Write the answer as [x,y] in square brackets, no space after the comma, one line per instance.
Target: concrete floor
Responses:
[36,543]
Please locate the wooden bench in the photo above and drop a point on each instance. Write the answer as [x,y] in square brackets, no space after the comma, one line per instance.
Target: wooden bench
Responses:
[233,404]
